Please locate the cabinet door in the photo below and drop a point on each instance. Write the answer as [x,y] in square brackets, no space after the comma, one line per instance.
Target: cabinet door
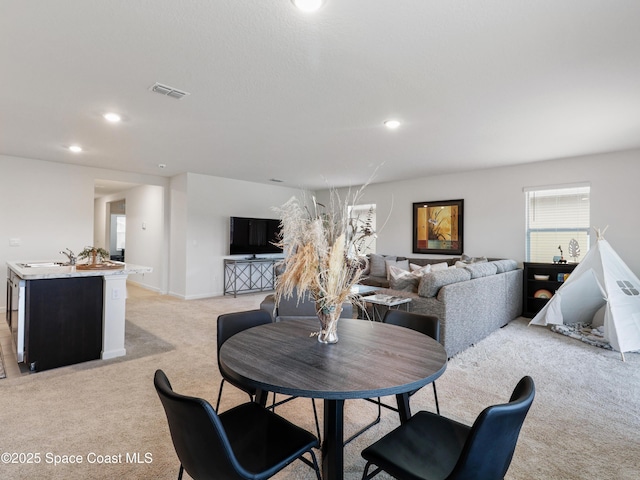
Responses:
[63,320]
[9,309]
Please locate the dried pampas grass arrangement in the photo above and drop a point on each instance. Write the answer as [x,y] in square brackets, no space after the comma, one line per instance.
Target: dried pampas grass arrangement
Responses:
[323,251]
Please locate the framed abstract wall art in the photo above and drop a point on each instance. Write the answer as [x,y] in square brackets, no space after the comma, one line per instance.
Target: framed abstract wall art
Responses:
[438,227]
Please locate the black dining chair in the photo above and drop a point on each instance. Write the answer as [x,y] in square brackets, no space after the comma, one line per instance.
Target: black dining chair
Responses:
[426,324]
[433,447]
[246,442]
[228,325]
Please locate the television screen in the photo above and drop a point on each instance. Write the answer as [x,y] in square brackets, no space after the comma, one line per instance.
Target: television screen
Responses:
[253,236]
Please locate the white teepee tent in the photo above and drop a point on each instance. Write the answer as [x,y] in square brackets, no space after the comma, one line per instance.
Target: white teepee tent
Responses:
[600,279]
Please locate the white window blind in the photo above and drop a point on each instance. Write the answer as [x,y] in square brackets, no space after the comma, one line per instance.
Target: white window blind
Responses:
[558,218]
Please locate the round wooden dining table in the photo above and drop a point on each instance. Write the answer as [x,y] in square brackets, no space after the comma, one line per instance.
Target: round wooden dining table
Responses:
[371,359]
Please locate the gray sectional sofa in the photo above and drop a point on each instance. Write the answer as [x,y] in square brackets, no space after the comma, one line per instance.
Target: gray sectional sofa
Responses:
[471,301]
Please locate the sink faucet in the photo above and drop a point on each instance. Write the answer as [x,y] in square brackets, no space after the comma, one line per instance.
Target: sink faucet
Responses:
[70,255]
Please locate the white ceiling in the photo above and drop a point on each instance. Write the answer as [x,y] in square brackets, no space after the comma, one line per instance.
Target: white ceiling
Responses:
[276,93]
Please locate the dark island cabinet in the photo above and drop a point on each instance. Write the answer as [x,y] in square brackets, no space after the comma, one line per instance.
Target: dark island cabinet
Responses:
[63,321]
[537,289]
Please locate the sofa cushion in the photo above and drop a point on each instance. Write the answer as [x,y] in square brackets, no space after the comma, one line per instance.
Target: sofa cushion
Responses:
[505,265]
[378,267]
[432,282]
[479,270]
[375,282]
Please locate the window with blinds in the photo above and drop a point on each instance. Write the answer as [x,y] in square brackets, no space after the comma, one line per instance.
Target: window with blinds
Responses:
[558,223]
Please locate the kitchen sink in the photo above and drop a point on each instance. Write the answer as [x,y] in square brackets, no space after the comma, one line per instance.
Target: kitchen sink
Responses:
[44,264]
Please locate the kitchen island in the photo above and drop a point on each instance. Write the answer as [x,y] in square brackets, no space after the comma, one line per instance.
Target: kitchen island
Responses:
[60,314]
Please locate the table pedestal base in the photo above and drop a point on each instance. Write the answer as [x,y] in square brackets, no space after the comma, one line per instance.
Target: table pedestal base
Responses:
[332,451]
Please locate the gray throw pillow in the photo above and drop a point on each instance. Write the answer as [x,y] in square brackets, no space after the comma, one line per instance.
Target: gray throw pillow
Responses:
[432,282]
[479,270]
[467,259]
[378,267]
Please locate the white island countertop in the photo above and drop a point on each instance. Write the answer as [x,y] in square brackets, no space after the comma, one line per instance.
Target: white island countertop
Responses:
[44,270]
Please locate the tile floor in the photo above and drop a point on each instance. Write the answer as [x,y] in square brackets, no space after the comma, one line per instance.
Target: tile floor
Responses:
[11,367]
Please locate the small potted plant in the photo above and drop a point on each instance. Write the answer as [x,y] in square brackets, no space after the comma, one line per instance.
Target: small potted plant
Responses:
[95,254]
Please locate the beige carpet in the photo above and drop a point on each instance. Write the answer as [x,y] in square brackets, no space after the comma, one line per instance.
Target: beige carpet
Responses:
[584,423]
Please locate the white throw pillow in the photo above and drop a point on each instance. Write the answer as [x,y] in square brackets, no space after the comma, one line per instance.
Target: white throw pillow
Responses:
[403,280]
[435,267]
[420,269]
[402,264]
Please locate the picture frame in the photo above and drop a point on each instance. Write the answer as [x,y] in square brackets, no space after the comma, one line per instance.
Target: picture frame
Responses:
[438,227]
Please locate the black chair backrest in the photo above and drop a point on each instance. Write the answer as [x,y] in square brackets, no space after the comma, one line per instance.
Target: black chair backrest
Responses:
[489,448]
[231,323]
[426,324]
[197,434]
[305,307]
[294,307]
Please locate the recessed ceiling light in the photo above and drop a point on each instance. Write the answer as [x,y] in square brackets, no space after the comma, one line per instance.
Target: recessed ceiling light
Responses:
[75,148]
[307,5]
[162,165]
[112,117]
[392,124]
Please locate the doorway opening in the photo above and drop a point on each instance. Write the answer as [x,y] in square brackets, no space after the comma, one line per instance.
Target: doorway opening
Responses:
[363,221]
[116,212]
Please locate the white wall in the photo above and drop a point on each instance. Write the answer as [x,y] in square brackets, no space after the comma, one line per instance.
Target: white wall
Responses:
[178,236]
[146,234]
[47,206]
[494,204]
[50,206]
[210,203]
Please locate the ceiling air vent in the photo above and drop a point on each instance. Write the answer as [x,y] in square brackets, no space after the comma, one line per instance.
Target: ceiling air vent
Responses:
[168,91]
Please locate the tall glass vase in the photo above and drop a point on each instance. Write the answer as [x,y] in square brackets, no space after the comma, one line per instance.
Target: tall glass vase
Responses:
[328,316]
